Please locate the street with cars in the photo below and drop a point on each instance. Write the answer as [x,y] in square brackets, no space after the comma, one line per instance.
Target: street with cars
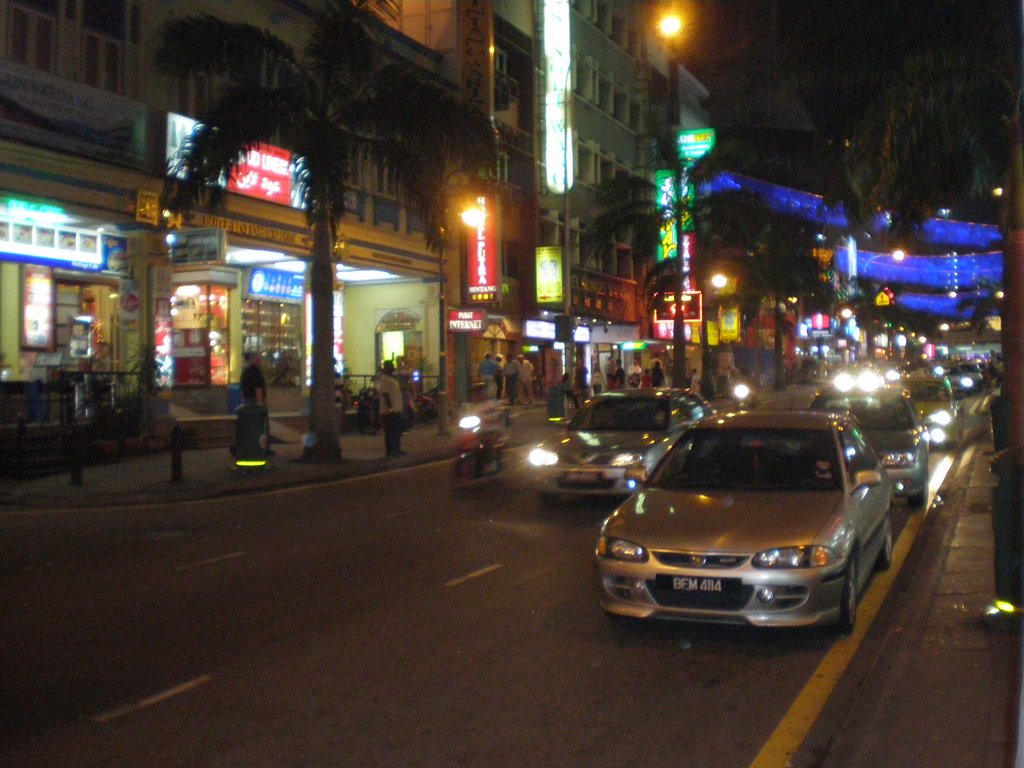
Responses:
[393,620]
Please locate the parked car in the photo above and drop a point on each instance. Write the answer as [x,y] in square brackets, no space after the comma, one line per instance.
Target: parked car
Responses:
[769,518]
[613,433]
[940,410]
[894,429]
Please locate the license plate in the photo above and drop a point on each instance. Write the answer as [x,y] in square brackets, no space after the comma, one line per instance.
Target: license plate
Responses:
[581,478]
[693,583]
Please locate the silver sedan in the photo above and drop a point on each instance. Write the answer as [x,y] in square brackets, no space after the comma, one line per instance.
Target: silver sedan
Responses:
[769,518]
[612,435]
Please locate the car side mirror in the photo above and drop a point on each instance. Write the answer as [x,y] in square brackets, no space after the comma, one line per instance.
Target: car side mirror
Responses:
[867,478]
[636,477]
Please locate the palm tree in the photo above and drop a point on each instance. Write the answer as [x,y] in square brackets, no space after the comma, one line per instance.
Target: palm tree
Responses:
[336,105]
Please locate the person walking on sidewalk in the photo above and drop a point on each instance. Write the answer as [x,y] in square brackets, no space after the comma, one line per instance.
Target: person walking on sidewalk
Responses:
[488,372]
[391,410]
[254,391]
[511,375]
[525,394]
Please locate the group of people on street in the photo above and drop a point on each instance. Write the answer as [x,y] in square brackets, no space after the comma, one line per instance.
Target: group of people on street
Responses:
[510,379]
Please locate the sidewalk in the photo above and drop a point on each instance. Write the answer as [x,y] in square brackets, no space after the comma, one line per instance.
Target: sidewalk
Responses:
[210,472]
[935,684]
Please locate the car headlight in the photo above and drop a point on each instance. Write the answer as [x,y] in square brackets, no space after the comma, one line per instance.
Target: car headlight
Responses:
[843,382]
[741,391]
[626,459]
[937,435]
[966,382]
[794,557]
[942,418]
[899,458]
[542,457]
[620,549]
[469,422]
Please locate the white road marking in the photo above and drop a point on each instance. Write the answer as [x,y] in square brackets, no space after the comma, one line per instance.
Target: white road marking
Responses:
[149,701]
[473,575]
[210,561]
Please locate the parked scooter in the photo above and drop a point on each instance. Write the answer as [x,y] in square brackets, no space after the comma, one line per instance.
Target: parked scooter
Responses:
[367,408]
[480,446]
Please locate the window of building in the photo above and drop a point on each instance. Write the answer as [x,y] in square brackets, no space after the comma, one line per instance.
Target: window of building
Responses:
[103,22]
[31,36]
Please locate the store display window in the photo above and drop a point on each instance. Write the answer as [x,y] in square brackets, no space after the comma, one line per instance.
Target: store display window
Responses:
[274,331]
[200,348]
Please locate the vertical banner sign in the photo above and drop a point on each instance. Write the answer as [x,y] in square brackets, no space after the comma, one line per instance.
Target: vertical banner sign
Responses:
[558,165]
[482,258]
[476,40]
[665,191]
[549,275]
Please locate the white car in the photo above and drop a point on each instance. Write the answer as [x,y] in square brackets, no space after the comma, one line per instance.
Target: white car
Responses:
[612,434]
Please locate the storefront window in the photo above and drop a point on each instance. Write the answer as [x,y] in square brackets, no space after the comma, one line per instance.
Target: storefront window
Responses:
[200,343]
[274,331]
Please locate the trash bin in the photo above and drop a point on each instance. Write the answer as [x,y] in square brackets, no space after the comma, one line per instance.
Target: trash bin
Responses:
[251,435]
[234,397]
[556,403]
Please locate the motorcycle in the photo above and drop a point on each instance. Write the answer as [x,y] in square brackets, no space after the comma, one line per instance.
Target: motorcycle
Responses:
[479,452]
[367,411]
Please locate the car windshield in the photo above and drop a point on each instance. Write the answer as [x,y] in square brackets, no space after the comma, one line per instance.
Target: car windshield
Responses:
[751,459]
[872,412]
[928,390]
[645,414]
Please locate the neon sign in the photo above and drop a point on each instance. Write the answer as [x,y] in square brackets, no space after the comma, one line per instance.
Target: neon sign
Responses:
[482,258]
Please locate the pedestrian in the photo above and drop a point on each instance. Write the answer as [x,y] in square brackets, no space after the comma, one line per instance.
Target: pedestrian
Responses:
[391,410]
[251,382]
[597,380]
[636,373]
[580,382]
[619,377]
[254,391]
[525,394]
[488,372]
[694,380]
[612,379]
[510,373]
[499,380]
[657,374]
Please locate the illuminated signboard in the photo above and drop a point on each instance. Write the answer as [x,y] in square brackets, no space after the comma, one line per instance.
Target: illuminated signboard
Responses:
[466,320]
[692,305]
[694,144]
[264,172]
[275,284]
[482,258]
[32,233]
[549,275]
[558,160]
[539,329]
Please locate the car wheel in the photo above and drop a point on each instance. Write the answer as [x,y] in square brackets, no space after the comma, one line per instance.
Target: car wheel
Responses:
[884,559]
[848,600]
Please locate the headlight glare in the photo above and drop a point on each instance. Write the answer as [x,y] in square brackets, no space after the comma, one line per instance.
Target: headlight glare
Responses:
[812,556]
[626,459]
[899,458]
[469,422]
[942,418]
[542,457]
[620,549]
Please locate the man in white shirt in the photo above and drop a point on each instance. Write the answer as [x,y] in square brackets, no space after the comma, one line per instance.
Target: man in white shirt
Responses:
[391,410]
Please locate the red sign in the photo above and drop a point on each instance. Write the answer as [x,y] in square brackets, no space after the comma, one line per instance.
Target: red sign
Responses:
[482,259]
[665,307]
[466,320]
[264,172]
